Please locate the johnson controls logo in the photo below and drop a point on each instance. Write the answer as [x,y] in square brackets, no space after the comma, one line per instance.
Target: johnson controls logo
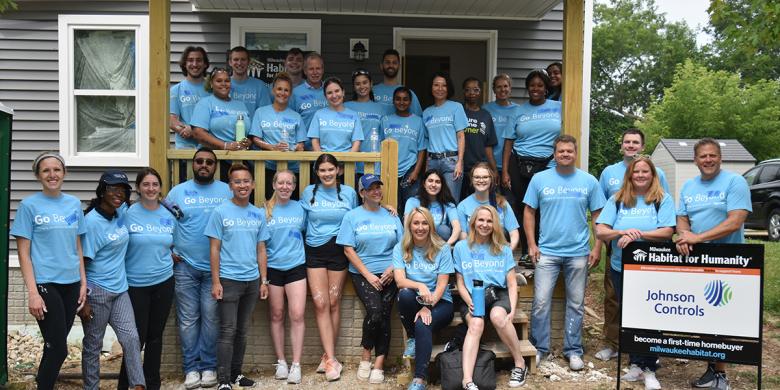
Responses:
[717,293]
[640,255]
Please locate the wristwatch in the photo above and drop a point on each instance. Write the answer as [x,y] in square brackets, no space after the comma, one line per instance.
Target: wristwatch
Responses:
[266,282]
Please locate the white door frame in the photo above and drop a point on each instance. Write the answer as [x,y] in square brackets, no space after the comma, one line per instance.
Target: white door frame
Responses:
[490,37]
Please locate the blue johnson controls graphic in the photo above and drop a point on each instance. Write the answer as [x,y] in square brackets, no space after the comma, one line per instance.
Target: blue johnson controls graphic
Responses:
[717,293]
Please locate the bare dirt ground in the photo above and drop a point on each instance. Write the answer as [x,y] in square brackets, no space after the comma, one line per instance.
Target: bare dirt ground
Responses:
[673,373]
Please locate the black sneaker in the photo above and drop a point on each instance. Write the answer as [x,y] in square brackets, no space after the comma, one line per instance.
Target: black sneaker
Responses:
[243,382]
[224,386]
[707,379]
[517,376]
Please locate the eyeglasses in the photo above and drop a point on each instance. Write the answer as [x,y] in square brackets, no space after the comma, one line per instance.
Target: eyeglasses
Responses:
[360,72]
[207,161]
[642,156]
[480,178]
[472,90]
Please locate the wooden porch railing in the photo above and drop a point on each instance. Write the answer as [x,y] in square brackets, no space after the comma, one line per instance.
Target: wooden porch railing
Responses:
[387,157]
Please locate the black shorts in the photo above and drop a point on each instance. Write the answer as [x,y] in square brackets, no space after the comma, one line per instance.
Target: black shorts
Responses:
[328,255]
[282,278]
[502,302]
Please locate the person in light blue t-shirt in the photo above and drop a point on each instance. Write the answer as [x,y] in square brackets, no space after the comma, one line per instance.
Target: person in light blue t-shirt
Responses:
[335,128]
[47,229]
[370,113]
[485,256]
[368,234]
[149,269]
[640,211]
[237,233]
[422,264]
[286,221]
[712,208]
[563,195]
[194,63]
[445,122]
[383,93]
[105,245]
[309,96]
[434,195]
[245,88]
[484,180]
[504,113]
[196,310]
[215,117]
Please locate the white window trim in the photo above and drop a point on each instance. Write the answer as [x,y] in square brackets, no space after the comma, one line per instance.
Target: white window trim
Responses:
[66,26]
[312,28]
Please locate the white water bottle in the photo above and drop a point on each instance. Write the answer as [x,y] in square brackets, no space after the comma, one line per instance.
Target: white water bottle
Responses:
[286,139]
[374,139]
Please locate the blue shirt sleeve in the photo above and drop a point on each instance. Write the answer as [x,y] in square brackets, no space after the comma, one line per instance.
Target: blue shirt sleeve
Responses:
[531,194]
[608,214]
[202,114]
[596,199]
[416,108]
[22,226]
[346,236]
[314,126]
[214,226]
[738,195]
[173,106]
[662,179]
[91,242]
[460,120]
[509,260]
[398,258]
[510,220]
[666,217]
[357,130]
[446,265]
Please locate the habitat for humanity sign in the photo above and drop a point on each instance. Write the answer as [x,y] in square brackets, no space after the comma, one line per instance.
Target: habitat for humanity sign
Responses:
[706,305]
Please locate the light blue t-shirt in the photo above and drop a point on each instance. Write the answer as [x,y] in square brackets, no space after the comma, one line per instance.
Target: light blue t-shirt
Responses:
[336,130]
[440,216]
[148,260]
[324,216]
[479,263]
[239,229]
[708,202]
[467,206]
[563,201]
[642,216]
[196,202]
[372,234]
[52,225]
[184,96]
[504,121]
[370,114]
[219,117]
[411,136]
[270,126]
[442,123]
[383,94]
[419,269]
[285,243]
[307,100]
[105,243]
[253,92]
[611,178]
[536,127]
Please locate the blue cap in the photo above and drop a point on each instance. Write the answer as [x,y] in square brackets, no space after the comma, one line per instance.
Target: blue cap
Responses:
[114,177]
[367,180]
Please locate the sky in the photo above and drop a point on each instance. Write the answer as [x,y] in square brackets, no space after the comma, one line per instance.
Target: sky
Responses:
[693,12]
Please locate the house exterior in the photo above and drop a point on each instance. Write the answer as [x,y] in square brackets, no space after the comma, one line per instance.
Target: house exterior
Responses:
[675,157]
[114,114]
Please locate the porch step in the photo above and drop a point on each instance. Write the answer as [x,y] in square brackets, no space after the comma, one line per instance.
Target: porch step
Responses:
[520,318]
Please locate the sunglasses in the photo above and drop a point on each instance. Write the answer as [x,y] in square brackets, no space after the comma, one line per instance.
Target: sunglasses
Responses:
[207,161]
[360,72]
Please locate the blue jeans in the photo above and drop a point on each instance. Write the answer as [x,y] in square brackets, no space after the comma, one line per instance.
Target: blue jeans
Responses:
[196,312]
[441,316]
[642,361]
[575,273]
[446,166]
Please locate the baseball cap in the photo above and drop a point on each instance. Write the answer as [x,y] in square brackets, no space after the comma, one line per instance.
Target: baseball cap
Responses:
[367,180]
[114,177]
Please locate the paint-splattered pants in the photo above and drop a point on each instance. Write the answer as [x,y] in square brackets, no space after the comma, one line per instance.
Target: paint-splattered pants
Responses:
[379,306]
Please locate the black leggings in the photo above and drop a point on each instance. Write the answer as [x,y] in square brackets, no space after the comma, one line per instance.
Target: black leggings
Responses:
[151,306]
[61,301]
[379,307]
[519,188]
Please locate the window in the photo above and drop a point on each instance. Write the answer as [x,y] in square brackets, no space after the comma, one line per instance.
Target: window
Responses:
[275,34]
[104,90]
[771,172]
[751,175]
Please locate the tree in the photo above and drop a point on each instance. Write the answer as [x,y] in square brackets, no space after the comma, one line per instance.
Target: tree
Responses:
[747,37]
[6,5]
[719,104]
[606,129]
[634,54]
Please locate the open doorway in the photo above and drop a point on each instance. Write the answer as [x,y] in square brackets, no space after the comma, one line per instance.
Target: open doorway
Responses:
[461,59]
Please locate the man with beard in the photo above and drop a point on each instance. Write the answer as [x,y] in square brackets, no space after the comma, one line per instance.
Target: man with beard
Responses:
[253,92]
[383,93]
[293,65]
[194,63]
[196,310]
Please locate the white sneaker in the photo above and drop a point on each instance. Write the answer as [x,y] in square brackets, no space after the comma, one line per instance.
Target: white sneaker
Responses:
[281,370]
[634,374]
[576,363]
[208,378]
[606,354]
[192,380]
[364,370]
[294,377]
[651,382]
[321,366]
[377,376]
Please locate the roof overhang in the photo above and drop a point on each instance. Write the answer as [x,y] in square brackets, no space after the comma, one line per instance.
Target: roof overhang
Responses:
[457,9]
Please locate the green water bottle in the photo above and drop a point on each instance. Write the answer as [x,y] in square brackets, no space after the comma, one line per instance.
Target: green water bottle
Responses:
[240,128]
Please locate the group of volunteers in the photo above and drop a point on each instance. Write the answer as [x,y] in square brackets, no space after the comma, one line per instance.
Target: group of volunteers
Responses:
[206,245]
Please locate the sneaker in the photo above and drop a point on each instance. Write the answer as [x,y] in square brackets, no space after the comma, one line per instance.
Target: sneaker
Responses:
[707,379]
[651,382]
[364,370]
[332,370]
[470,386]
[517,376]
[224,386]
[409,350]
[576,363]
[208,378]
[281,369]
[321,367]
[634,374]
[606,354]
[192,380]
[416,386]
[377,376]
[721,382]
[294,377]
[243,382]
[541,357]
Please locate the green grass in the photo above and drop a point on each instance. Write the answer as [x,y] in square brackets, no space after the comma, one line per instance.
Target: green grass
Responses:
[771,275]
